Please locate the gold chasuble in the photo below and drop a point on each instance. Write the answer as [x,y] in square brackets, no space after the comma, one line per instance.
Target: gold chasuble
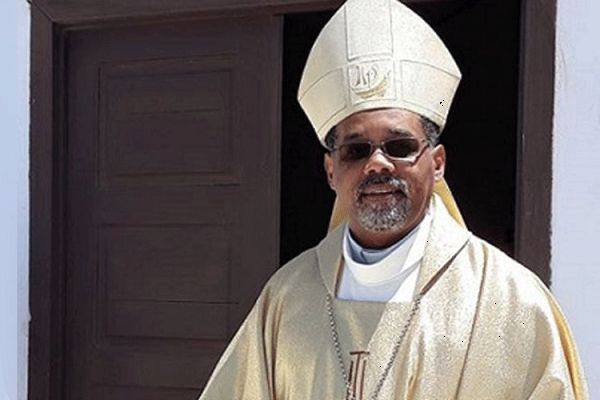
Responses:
[486,328]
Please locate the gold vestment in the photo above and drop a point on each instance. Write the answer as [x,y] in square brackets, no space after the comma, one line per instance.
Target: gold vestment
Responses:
[487,328]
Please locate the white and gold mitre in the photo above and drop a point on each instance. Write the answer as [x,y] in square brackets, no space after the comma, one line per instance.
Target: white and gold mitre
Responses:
[376,54]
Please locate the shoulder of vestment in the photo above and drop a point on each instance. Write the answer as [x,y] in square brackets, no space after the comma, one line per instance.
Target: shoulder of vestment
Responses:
[504,278]
[296,276]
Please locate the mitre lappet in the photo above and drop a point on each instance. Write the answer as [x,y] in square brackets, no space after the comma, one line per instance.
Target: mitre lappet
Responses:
[376,54]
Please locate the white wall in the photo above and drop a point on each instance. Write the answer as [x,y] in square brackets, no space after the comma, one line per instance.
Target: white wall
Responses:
[576,186]
[14,144]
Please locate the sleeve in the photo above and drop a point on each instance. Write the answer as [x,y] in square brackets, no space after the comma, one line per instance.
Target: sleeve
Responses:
[573,378]
[245,370]
[521,346]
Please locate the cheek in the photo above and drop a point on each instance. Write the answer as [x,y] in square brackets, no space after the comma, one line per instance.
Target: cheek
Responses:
[343,177]
[421,184]
[345,188]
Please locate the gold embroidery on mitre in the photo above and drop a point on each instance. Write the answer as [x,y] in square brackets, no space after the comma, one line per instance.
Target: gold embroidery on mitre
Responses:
[369,79]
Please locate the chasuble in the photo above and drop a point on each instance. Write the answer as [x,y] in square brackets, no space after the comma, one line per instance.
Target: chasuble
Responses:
[486,328]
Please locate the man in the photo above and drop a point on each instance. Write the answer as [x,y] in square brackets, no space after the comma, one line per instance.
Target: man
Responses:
[399,301]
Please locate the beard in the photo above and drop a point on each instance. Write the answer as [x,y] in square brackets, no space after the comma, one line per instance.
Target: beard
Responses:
[383,215]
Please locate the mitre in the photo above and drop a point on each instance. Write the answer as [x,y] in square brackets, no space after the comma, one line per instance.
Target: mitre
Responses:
[376,54]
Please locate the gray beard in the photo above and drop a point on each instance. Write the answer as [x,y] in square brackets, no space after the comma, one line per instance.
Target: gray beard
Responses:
[383,216]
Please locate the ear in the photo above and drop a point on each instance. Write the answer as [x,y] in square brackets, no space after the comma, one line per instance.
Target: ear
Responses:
[328,166]
[439,162]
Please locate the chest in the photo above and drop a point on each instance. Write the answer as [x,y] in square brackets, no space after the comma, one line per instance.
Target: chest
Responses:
[427,363]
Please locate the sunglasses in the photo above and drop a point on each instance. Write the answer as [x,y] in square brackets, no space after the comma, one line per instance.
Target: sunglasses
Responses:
[398,149]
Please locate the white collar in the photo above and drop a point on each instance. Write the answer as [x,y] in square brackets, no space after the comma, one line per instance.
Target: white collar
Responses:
[389,263]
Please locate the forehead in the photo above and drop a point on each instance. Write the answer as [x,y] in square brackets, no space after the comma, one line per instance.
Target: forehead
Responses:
[377,124]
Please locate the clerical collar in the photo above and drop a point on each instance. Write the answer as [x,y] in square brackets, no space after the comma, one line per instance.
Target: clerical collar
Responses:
[374,266]
[364,255]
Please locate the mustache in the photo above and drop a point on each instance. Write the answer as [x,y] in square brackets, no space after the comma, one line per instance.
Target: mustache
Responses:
[383,179]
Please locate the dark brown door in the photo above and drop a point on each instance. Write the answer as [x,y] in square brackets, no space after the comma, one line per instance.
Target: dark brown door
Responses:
[173,199]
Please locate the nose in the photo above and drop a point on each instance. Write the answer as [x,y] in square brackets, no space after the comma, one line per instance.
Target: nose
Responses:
[378,163]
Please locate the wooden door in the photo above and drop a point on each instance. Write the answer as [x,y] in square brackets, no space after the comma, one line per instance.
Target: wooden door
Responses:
[172,199]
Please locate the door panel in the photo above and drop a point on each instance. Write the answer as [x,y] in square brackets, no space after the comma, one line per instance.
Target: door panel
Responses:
[173,141]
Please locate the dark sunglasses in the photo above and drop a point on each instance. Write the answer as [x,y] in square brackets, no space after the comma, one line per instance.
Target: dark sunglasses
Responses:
[398,149]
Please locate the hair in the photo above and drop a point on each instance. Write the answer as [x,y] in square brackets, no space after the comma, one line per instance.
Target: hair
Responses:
[330,139]
[432,133]
[432,130]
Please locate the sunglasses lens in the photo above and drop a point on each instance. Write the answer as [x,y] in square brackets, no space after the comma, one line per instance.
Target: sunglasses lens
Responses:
[401,148]
[355,151]
[395,148]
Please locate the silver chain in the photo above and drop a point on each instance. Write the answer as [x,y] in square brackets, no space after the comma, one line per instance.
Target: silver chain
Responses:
[336,343]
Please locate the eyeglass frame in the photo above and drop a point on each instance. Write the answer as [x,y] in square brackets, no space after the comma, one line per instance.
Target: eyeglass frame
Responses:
[380,146]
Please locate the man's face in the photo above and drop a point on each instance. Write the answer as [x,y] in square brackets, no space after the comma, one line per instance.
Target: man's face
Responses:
[383,197]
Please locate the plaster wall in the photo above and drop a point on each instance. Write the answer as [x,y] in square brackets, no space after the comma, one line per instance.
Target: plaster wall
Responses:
[576,179]
[14,231]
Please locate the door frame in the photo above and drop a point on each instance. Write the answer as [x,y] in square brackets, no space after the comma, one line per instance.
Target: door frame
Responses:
[52,20]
